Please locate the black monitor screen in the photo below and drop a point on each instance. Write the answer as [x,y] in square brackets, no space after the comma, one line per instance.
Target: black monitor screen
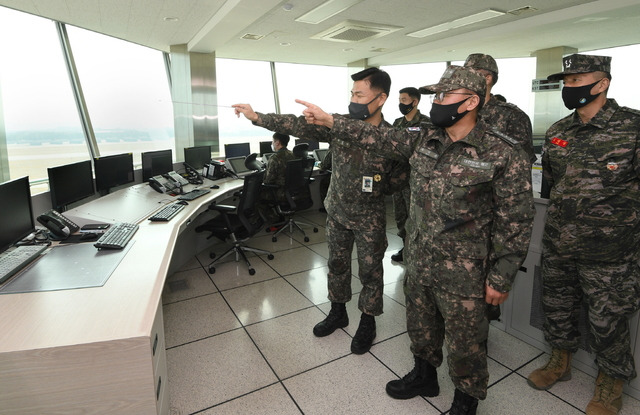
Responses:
[236,150]
[312,143]
[112,171]
[265,147]
[16,220]
[70,183]
[155,163]
[197,157]
[237,165]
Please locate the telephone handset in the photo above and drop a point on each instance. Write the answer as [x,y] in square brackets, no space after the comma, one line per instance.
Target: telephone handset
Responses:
[58,224]
[177,177]
[161,184]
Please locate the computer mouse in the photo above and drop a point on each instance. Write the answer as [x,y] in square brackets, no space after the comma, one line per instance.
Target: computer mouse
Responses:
[88,236]
[182,202]
[215,186]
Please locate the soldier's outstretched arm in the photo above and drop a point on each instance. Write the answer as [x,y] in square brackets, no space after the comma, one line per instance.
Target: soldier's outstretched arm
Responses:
[246,110]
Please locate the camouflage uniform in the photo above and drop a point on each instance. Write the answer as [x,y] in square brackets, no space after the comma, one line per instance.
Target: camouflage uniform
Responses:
[325,179]
[402,198]
[469,224]
[276,168]
[510,120]
[592,232]
[352,215]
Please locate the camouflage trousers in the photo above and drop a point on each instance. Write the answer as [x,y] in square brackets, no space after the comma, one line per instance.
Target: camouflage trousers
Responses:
[401,203]
[435,317]
[612,294]
[371,245]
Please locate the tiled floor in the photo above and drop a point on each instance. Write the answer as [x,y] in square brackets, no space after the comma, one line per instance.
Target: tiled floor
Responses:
[241,344]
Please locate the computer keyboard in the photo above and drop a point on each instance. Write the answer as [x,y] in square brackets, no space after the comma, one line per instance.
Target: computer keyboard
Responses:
[117,236]
[194,194]
[14,259]
[166,213]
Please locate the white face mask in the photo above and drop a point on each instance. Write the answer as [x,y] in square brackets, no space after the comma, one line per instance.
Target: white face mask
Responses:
[273,147]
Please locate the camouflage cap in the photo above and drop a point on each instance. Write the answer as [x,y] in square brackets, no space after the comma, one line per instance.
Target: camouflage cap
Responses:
[577,63]
[481,61]
[455,77]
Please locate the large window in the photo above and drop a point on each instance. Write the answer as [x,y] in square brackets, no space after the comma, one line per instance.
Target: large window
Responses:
[127,94]
[246,82]
[41,122]
[624,63]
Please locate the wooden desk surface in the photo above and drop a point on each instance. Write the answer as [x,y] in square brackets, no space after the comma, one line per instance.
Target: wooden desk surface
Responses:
[126,305]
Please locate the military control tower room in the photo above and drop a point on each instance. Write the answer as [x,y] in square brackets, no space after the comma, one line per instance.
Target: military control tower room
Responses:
[319,207]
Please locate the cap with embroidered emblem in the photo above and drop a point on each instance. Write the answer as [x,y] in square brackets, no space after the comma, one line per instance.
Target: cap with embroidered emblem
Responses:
[577,63]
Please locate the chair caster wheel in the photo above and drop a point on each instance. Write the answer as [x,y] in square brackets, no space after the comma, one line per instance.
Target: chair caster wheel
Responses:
[274,239]
[306,239]
[315,230]
[270,256]
[212,255]
[252,271]
[212,270]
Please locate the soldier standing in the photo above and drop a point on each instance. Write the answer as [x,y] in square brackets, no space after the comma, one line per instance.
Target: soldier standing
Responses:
[467,235]
[501,115]
[354,203]
[412,117]
[591,176]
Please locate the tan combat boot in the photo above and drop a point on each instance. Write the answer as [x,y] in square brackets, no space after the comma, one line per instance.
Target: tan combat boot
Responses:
[607,398]
[557,369]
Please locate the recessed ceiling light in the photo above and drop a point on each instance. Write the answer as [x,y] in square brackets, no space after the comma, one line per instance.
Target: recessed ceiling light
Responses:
[285,44]
[454,24]
[171,19]
[326,10]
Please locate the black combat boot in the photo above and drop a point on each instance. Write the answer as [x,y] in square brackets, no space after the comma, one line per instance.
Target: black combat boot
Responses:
[422,380]
[365,334]
[398,257]
[336,319]
[463,404]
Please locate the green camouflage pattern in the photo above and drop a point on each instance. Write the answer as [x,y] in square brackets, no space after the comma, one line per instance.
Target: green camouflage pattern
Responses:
[577,63]
[481,61]
[402,198]
[275,173]
[360,215]
[612,294]
[471,204]
[456,77]
[591,240]
[434,315]
[510,120]
[593,172]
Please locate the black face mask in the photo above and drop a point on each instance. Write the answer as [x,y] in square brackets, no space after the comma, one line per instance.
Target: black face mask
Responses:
[406,108]
[578,96]
[446,115]
[361,111]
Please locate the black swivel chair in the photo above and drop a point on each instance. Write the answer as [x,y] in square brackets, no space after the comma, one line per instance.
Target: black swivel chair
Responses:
[239,223]
[252,163]
[298,196]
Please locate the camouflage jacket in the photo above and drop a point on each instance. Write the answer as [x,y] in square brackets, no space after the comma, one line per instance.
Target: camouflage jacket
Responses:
[510,120]
[593,171]
[345,201]
[471,206]
[402,122]
[401,167]
[277,166]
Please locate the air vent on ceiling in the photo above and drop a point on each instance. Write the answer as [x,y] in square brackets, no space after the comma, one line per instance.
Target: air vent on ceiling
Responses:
[522,10]
[353,31]
[251,36]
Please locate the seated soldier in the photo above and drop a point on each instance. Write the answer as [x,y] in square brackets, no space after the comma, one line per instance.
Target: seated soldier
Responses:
[274,176]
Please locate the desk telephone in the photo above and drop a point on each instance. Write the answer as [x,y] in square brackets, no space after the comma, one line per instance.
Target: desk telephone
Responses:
[58,224]
[168,182]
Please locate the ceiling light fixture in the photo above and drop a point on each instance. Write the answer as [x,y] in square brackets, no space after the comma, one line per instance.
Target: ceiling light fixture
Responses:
[454,24]
[287,7]
[171,19]
[326,10]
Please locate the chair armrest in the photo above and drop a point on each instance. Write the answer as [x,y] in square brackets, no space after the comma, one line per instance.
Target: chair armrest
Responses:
[222,208]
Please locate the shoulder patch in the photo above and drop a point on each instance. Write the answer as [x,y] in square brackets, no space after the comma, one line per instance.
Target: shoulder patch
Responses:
[512,142]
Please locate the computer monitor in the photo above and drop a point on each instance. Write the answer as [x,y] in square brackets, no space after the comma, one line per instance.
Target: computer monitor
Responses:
[113,171]
[312,143]
[320,154]
[198,156]
[155,163]
[236,150]
[70,183]
[16,220]
[265,147]
[236,165]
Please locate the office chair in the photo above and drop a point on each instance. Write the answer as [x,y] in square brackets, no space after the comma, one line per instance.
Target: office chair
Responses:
[252,163]
[301,150]
[298,193]
[238,224]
